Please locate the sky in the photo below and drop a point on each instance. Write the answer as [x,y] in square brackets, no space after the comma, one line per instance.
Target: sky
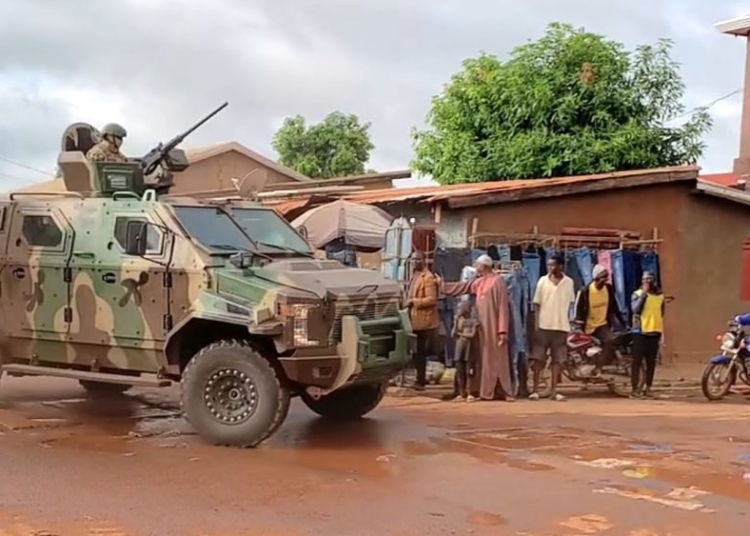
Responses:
[157,66]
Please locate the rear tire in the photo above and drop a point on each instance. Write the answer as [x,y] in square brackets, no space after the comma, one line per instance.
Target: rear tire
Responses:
[349,403]
[232,395]
[707,381]
[104,388]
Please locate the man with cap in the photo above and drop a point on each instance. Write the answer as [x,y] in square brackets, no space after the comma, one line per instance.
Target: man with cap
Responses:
[596,313]
[422,303]
[492,311]
[108,149]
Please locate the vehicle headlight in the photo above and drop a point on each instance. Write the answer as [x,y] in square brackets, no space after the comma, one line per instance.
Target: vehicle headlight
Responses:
[727,342]
[299,314]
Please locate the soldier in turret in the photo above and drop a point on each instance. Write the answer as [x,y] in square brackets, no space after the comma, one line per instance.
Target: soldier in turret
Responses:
[108,149]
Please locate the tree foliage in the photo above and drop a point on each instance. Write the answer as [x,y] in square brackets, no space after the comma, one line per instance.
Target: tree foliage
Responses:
[336,147]
[570,103]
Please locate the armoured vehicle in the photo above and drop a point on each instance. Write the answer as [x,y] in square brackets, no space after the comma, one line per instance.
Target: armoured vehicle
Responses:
[116,283]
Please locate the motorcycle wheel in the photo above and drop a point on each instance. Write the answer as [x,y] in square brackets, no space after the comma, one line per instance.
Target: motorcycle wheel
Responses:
[623,387]
[712,373]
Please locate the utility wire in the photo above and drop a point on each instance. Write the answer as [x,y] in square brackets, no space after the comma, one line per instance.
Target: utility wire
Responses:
[45,173]
[709,105]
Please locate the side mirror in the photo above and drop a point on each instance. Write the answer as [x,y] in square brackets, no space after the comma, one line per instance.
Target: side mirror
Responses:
[136,238]
[303,231]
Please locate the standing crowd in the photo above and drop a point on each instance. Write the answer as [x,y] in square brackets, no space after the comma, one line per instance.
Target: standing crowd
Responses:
[480,327]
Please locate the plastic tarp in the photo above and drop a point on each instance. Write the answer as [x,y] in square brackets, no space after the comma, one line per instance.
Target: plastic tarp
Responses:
[362,226]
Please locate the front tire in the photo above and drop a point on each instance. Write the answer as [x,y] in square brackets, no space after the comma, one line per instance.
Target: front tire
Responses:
[104,388]
[713,390]
[349,403]
[232,395]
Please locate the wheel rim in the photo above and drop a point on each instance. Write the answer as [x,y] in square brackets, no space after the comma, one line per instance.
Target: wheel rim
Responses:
[231,396]
[715,385]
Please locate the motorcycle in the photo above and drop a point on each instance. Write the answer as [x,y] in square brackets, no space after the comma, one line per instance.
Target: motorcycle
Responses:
[579,365]
[724,369]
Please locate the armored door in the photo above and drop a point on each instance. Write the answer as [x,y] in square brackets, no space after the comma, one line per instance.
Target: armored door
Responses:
[35,277]
[121,300]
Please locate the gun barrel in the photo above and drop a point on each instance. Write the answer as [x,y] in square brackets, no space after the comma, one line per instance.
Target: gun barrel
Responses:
[209,116]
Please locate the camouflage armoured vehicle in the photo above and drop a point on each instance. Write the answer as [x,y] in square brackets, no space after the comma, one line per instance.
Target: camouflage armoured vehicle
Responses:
[115,283]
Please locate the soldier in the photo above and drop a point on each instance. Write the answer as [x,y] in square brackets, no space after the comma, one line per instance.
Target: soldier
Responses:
[108,149]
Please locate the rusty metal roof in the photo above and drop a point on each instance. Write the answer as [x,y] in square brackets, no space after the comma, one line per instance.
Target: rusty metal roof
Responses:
[472,194]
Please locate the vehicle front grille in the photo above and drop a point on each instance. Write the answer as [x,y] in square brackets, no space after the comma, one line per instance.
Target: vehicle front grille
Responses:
[370,308]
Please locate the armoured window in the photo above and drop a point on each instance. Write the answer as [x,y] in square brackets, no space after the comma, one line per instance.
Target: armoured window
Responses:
[264,225]
[213,228]
[153,238]
[41,231]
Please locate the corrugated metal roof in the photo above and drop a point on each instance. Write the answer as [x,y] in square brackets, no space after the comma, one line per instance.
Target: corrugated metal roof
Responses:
[723,179]
[433,194]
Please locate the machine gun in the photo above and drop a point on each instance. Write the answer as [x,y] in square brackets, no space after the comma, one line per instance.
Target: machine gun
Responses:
[165,153]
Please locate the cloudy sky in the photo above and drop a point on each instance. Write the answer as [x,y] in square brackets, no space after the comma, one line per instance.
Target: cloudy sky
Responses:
[156,66]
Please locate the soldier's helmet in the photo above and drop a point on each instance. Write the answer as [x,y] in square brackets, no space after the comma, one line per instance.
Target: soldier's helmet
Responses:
[113,129]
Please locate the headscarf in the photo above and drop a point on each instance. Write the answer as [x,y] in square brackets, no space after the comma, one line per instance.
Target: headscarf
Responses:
[598,271]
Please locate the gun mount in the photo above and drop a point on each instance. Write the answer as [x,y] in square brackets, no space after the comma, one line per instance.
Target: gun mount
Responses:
[154,171]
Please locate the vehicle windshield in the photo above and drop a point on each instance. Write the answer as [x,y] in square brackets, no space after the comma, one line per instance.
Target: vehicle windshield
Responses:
[271,231]
[214,229]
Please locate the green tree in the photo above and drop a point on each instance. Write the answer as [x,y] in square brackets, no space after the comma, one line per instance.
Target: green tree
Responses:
[336,147]
[570,103]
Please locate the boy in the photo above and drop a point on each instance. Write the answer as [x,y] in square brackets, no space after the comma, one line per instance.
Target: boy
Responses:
[464,330]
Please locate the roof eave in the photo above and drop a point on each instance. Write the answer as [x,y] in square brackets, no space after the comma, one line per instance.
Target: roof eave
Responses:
[723,192]
[738,26]
[688,173]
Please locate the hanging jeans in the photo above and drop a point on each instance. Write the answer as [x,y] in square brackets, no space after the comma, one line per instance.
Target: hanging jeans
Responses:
[624,279]
[650,262]
[532,265]
[585,261]
[446,311]
[571,269]
[517,283]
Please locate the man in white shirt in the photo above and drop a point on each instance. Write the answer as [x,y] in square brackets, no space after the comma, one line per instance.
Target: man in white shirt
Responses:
[553,300]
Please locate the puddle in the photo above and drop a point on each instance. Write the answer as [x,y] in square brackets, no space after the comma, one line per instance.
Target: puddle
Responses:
[649,496]
[478,451]
[515,439]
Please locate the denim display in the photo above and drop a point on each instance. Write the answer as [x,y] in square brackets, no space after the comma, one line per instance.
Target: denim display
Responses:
[585,260]
[650,263]
[446,311]
[572,270]
[532,265]
[517,282]
[625,278]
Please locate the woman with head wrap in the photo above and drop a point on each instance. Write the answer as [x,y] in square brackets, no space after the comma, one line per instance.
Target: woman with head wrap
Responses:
[647,304]
[492,310]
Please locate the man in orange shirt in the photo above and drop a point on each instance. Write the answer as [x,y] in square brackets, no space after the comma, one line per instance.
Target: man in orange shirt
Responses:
[423,312]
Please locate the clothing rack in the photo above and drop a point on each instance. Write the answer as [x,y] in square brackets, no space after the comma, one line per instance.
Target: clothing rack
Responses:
[617,239]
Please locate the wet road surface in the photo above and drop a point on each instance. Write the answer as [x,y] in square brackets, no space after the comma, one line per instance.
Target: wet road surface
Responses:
[74,466]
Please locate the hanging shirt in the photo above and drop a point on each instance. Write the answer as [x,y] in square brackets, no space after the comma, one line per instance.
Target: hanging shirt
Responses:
[598,305]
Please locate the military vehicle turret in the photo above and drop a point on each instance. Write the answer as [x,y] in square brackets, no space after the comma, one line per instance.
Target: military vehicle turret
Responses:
[115,283]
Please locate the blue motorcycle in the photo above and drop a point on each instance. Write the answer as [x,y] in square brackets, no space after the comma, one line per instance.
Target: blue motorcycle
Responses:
[724,369]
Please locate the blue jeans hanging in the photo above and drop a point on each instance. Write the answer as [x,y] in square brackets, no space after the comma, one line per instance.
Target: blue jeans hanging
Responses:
[624,279]
[517,284]
[585,262]
[650,262]
[532,266]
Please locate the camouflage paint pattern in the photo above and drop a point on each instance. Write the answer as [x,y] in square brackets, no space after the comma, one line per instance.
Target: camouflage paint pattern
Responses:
[80,301]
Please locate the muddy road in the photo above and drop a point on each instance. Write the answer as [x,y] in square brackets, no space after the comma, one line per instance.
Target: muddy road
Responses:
[72,466]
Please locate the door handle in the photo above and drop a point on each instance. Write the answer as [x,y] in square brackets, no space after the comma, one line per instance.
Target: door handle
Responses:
[84,255]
